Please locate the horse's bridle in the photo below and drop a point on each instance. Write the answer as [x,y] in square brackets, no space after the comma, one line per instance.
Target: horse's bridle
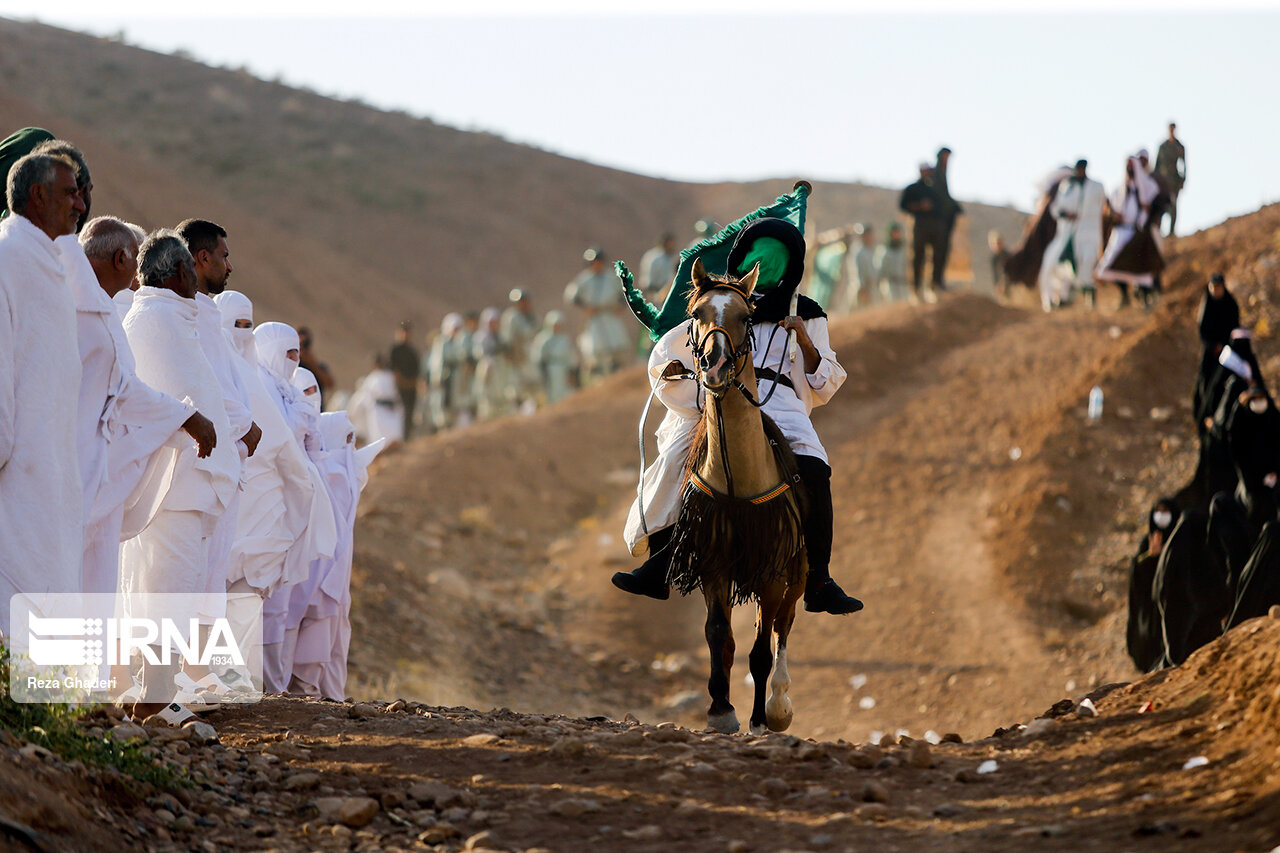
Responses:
[740,354]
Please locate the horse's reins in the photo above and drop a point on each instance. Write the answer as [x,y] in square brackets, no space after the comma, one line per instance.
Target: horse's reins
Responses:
[739,355]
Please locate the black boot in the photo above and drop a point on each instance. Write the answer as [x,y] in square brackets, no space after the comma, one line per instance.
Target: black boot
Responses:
[821,593]
[651,578]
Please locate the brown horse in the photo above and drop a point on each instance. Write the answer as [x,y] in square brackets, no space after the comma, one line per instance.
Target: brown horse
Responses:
[739,533]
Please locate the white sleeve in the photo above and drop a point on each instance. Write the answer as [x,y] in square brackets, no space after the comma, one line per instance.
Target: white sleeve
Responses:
[829,375]
[678,395]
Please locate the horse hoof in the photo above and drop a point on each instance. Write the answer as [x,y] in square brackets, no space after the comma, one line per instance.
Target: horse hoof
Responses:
[725,724]
[758,729]
[779,713]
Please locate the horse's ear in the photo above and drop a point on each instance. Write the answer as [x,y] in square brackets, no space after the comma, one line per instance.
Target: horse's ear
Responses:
[698,275]
[748,281]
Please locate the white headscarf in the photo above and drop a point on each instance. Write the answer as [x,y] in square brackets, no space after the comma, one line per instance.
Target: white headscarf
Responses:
[273,341]
[234,306]
[305,381]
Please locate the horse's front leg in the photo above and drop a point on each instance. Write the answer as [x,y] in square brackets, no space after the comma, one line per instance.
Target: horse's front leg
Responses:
[778,708]
[761,658]
[720,716]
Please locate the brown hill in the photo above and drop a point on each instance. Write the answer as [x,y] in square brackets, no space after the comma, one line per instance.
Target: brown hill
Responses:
[349,219]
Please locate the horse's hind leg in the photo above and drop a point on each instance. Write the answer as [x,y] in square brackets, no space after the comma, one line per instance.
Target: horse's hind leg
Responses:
[777,709]
[761,658]
[720,716]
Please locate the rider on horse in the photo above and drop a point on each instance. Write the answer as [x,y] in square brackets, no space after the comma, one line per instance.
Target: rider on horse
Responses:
[804,379]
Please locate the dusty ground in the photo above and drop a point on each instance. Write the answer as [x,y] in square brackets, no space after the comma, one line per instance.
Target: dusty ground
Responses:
[984,522]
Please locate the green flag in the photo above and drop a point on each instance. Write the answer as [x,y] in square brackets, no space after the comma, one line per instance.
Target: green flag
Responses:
[714,252]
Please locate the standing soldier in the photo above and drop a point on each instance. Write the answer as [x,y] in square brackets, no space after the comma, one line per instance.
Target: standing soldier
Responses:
[861,261]
[519,325]
[405,364]
[554,357]
[658,267]
[493,388]
[446,370]
[604,341]
[891,264]
[1171,164]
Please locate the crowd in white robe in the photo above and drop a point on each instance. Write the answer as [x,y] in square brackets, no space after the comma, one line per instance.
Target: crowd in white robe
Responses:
[104,484]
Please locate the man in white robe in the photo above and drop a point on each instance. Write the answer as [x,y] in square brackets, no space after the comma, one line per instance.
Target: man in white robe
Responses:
[207,243]
[1072,254]
[41,498]
[172,554]
[122,420]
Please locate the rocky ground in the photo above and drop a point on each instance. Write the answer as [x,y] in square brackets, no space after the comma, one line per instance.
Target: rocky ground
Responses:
[984,520]
[1181,760]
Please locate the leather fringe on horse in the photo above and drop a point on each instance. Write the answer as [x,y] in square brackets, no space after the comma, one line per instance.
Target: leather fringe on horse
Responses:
[754,539]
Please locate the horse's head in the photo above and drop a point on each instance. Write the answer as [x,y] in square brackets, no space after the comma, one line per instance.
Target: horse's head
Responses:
[720,308]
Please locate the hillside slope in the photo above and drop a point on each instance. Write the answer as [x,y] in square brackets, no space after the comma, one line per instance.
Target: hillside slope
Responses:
[984,521]
[348,218]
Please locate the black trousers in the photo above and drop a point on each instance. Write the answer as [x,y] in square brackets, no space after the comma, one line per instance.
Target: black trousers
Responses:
[932,235]
[819,522]
[409,398]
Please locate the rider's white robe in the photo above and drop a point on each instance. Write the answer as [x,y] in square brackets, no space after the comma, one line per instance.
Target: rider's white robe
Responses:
[788,408]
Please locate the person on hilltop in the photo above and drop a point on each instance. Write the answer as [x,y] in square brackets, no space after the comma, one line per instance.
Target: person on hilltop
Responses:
[1171,164]
[815,375]
[1132,257]
[929,232]
[949,209]
[406,364]
[1071,256]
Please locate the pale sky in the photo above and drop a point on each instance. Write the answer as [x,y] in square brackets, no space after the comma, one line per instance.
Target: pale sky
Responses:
[685,90]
